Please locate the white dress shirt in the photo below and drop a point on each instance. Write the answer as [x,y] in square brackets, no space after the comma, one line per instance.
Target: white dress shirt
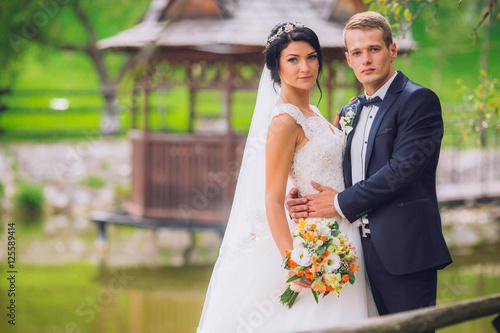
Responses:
[360,138]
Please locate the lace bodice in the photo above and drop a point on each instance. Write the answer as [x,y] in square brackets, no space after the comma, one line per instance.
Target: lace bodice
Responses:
[321,157]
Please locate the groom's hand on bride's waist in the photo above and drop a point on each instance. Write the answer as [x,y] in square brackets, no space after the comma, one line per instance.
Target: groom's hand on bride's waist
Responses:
[314,205]
[321,204]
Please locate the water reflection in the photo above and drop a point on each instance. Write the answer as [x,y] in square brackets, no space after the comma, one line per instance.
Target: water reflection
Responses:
[154,296]
[159,299]
[171,300]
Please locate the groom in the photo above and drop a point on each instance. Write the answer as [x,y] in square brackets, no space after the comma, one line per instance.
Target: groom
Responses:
[390,173]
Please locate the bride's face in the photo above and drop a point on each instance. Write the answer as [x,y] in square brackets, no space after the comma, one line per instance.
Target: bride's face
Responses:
[299,65]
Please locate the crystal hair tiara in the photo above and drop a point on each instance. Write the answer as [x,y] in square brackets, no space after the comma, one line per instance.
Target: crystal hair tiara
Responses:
[285,29]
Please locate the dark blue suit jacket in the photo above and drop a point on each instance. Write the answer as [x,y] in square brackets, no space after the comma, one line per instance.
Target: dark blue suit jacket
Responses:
[399,192]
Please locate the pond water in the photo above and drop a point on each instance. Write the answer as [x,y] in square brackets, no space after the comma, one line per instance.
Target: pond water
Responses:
[61,287]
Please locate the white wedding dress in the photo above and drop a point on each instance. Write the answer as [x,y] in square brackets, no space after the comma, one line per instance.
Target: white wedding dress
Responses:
[248,278]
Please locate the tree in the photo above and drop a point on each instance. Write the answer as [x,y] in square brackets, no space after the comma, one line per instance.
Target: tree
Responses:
[72,25]
[483,101]
[405,12]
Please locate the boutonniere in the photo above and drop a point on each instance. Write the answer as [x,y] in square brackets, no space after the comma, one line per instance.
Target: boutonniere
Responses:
[346,122]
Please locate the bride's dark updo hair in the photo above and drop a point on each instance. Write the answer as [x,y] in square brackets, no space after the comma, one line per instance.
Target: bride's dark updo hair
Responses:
[277,42]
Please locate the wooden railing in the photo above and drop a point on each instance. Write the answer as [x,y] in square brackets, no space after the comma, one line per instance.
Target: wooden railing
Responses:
[427,319]
[184,177]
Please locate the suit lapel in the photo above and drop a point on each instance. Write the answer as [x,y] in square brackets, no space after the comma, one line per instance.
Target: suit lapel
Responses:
[347,152]
[390,97]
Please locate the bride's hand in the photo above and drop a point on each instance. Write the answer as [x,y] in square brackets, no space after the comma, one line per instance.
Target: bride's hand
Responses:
[304,284]
[296,206]
[336,121]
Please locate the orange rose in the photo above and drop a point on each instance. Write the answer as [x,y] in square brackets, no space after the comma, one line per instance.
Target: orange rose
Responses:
[292,264]
[288,253]
[309,274]
[311,235]
[323,238]
[316,268]
[353,268]
[345,278]
[329,288]
[318,287]
[324,255]
[299,273]
[313,226]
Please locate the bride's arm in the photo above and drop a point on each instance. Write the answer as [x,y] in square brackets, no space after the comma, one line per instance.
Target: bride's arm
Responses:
[282,137]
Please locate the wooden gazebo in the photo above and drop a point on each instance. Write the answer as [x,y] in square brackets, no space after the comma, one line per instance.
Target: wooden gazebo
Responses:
[218,45]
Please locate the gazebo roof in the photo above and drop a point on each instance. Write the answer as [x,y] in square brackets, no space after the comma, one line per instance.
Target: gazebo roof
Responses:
[234,26]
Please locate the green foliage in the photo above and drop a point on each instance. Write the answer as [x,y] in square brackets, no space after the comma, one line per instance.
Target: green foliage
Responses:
[57,24]
[29,199]
[442,55]
[403,13]
[93,182]
[122,193]
[484,105]
[2,190]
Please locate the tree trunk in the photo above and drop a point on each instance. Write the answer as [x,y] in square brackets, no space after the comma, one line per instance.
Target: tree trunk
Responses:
[110,123]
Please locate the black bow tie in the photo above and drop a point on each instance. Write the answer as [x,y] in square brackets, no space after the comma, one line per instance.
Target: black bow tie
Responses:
[367,102]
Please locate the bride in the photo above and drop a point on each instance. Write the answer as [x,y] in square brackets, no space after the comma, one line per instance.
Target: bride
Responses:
[289,143]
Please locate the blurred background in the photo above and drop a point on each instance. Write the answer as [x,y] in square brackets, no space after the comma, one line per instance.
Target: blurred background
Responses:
[121,128]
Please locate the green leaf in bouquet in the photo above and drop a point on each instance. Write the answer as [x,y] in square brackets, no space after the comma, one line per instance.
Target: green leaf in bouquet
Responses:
[352,278]
[315,294]
[326,293]
[318,280]
[321,250]
[335,233]
[293,278]
[336,225]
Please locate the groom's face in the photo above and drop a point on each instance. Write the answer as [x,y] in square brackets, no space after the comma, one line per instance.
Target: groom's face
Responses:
[368,56]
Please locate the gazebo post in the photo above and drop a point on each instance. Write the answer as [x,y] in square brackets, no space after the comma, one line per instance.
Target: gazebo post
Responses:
[141,155]
[329,89]
[228,89]
[146,90]
[133,115]
[192,98]
[228,143]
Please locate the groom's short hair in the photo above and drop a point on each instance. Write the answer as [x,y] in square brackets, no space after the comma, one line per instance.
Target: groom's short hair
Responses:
[368,21]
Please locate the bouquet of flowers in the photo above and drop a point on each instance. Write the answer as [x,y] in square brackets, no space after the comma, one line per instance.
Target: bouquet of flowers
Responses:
[322,255]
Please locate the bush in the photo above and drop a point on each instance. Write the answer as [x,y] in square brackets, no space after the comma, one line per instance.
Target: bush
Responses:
[29,199]
[121,194]
[93,182]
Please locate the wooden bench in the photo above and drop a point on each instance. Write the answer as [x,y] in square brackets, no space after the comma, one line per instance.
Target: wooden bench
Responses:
[103,219]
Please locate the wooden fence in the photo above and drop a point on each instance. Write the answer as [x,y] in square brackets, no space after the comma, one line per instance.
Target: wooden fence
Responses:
[428,319]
